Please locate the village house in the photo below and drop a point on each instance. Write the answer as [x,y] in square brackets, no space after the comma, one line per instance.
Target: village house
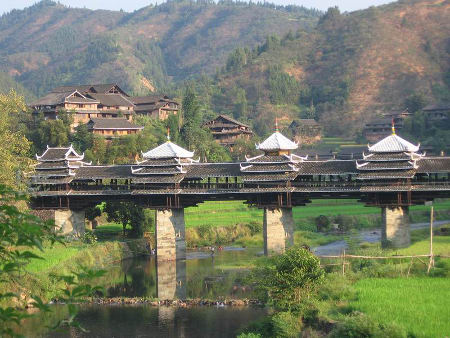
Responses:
[305,131]
[382,127]
[437,112]
[112,127]
[101,101]
[156,106]
[226,130]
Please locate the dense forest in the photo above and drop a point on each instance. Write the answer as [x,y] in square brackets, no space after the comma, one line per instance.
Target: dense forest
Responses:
[253,61]
[48,44]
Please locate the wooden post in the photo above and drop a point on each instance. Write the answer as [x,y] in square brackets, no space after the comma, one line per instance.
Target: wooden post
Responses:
[431,262]
[343,263]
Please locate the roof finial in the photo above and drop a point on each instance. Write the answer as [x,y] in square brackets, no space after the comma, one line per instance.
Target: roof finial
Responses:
[276,124]
[168,134]
[393,127]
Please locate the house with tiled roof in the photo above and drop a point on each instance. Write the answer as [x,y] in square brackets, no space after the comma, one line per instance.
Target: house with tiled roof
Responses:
[226,130]
[155,106]
[112,127]
[101,101]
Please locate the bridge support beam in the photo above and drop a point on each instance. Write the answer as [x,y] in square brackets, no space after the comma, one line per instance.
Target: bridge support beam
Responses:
[170,235]
[171,279]
[395,232]
[278,230]
[70,221]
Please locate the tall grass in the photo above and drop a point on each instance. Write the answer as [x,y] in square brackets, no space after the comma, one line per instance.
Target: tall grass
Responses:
[420,305]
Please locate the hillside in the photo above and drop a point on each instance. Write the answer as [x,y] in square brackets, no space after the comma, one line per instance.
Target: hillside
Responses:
[344,72]
[48,44]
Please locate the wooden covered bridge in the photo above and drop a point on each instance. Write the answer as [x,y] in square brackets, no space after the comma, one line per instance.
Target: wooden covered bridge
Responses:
[392,175]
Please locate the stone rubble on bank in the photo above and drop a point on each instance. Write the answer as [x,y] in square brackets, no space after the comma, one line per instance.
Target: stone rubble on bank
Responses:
[176,303]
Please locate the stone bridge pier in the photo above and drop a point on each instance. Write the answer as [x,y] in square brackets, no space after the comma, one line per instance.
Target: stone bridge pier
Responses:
[278,230]
[395,229]
[69,222]
[170,234]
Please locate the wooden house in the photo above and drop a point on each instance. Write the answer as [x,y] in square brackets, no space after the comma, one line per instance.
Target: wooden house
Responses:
[112,127]
[227,130]
[305,131]
[155,106]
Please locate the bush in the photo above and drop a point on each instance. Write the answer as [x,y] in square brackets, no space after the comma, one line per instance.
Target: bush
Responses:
[285,325]
[89,237]
[290,279]
[323,223]
[249,335]
[255,228]
[360,325]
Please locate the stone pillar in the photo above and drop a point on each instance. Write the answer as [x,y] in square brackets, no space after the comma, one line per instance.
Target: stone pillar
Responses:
[171,279]
[395,231]
[70,222]
[278,230]
[170,235]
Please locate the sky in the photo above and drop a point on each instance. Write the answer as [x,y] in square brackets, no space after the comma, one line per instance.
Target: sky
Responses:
[131,5]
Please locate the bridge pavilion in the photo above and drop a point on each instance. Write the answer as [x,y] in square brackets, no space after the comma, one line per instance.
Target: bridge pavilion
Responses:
[393,175]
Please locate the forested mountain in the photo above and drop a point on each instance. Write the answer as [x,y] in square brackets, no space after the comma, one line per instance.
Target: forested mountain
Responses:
[48,44]
[343,73]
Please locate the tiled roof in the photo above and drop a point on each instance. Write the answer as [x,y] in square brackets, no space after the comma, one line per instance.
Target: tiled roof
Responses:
[281,167]
[277,141]
[274,159]
[100,172]
[60,154]
[434,165]
[156,170]
[76,99]
[374,157]
[394,174]
[112,123]
[159,179]
[51,99]
[331,167]
[385,165]
[439,106]
[203,170]
[112,100]
[393,143]
[161,162]
[168,150]
[215,122]
[276,177]
[52,173]
[149,99]
[46,180]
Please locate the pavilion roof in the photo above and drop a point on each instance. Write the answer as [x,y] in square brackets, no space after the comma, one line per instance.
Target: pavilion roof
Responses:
[168,150]
[60,154]
[393,144]
[277,141]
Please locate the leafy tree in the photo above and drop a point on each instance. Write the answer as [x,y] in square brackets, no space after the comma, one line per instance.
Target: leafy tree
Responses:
[289,280]
[15,147]
[126,213]
[82,139]
[22,235]
[415,102]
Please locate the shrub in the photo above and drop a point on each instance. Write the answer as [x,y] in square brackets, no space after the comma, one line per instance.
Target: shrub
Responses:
[89,237]
[249,335]
[323,223]
[255,227]
[290,279]
[360,325]
[344,222]
[286,325]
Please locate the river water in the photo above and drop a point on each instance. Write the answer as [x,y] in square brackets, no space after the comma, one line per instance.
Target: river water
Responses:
[201,275]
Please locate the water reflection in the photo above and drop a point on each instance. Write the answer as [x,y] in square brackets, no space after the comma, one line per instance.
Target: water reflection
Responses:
[200,276]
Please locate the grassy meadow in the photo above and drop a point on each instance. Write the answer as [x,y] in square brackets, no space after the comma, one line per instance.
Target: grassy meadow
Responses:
[420,304]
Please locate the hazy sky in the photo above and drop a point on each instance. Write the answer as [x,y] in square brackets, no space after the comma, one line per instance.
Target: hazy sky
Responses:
[131,5]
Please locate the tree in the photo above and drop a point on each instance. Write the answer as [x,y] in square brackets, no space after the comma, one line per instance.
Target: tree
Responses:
[415,102]
[126,213]
[22,235]
[15,147]
[289,280]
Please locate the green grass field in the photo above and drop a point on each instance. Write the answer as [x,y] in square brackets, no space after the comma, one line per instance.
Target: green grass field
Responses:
[234,212]
[54,255]
[420,305]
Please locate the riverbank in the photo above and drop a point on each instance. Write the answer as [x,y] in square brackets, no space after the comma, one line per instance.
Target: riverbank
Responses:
[61,259]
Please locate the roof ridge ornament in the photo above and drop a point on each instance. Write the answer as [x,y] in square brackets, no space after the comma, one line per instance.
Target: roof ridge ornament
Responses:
[276,124]
[393,127]
[168,134]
